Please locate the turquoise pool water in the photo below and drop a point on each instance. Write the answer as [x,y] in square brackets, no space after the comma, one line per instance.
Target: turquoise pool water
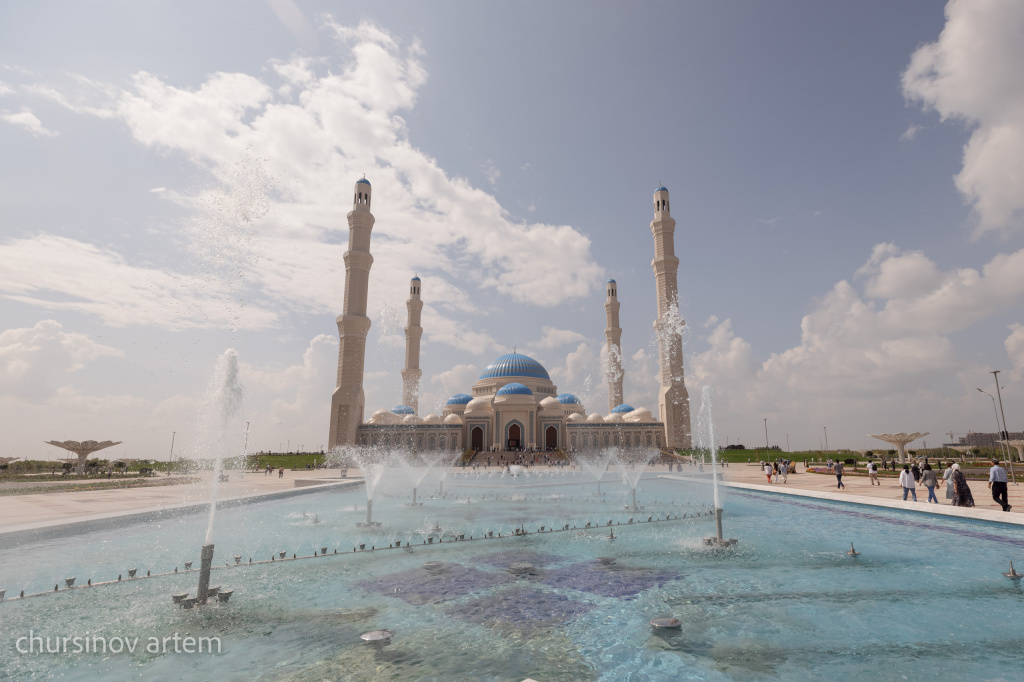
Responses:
[925,598]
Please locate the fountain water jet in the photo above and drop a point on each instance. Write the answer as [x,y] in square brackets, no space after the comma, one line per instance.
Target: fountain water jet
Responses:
[372,462]
[218,431]
[706,440]
[632,462]
[596,462]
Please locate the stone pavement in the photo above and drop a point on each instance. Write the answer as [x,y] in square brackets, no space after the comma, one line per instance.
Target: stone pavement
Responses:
[24,512]
[860,486]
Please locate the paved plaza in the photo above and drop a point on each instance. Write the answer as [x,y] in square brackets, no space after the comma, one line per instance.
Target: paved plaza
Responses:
[860,487]
[24,512]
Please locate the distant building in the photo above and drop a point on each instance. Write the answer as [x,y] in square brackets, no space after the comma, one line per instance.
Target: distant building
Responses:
[976,439]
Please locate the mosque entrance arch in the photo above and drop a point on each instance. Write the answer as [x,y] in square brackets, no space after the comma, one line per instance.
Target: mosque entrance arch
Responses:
[551,438]
[477,438]
[514,437]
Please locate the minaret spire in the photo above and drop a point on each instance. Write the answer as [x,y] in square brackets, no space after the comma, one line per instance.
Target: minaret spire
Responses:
[413,331]
[673,400]
[348,399]
[613,334]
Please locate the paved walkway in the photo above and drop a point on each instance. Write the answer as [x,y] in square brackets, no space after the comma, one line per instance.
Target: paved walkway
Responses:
[25,512]
[860,486]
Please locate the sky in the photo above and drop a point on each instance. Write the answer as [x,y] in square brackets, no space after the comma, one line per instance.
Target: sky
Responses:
[847,181]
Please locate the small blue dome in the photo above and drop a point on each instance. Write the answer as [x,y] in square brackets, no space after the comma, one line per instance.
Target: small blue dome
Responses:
[362,181]
[515,365]
[415,278]
[622,409]
[611,281]
[402,409]
[459,399]
[661,189]
[569,399]
[514,389]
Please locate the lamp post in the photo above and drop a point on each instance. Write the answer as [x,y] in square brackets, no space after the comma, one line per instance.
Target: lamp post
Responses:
[171,456]
[826,437]
[766,433]
[1006,434]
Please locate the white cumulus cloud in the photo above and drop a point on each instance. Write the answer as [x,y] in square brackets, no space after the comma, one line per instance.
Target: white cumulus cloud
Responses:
[973,73]
[29,121]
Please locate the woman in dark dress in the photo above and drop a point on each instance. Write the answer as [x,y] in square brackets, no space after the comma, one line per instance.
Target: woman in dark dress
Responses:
[962,496]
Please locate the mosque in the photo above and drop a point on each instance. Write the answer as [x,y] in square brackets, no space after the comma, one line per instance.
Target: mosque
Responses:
[514,404]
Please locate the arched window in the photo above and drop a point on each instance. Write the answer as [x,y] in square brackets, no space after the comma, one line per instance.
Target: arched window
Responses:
[648,440]
[606,439]
[572,440]
[373,440]
[430,443]
[440,443]
[657,437]
[419,442]
[615,439]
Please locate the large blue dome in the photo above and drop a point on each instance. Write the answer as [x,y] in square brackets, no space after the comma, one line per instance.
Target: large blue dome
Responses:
[569,399]
[514,389]
[515,365]
[459,399]
[622,409]
[402,409]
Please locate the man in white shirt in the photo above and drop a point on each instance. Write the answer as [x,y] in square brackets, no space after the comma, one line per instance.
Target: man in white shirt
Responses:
[873,473]
[997,482]
[784,472]
[908,482]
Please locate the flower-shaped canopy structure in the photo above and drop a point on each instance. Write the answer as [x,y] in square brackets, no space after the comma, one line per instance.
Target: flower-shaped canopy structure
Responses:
[1019,444]
[900,440]
[83,448]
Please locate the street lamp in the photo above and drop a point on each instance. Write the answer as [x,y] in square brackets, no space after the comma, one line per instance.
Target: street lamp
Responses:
[766,433]
[1005,449]
[826,437]
[1002,446]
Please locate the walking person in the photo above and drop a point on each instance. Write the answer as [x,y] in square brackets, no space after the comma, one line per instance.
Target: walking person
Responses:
[947,476]
[930,480]
[908,483]
[768,472]
[838,469]
[962,496]
[997,482]
[914,469]
[873,473]
[784,472]
[775,470]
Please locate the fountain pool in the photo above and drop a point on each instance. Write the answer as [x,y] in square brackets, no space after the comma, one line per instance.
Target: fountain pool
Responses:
[925,595]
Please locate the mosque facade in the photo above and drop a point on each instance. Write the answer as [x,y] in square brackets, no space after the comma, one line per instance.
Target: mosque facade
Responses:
[514,404]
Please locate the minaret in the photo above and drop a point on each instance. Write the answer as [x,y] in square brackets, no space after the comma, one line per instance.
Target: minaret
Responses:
[413,331]
[673,400]
[613,333]
[353,324]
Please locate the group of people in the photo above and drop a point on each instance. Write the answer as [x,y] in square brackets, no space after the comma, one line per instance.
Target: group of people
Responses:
[780,468]
[957,490]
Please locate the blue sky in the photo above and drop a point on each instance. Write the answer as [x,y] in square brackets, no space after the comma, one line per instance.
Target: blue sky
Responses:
[845,178]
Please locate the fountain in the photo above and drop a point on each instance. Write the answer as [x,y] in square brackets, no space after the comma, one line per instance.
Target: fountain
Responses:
[372,462]
[632,464]
[706,440]
[219,429]
[596,462]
